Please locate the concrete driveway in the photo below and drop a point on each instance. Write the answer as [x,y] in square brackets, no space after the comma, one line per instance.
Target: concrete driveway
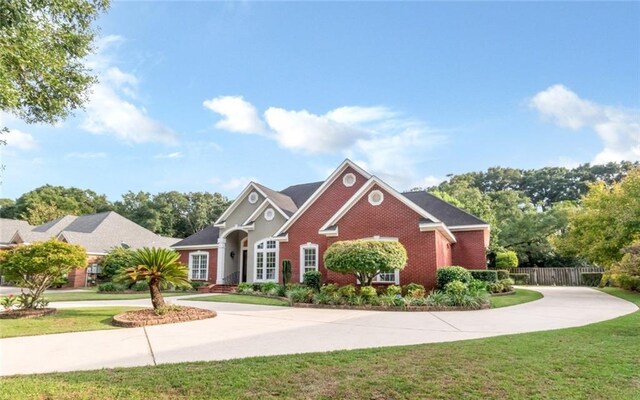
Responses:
[247,330]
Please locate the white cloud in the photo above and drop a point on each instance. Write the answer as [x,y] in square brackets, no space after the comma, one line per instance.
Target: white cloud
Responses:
[86,155]
[429,181]
[617,127]
[19,140]
[234,183]
[383,142]
[239,115]
[109,112]
[169,156]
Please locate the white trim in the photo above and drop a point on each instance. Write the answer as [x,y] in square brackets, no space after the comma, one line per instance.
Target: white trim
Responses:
[261,207]
[345,164]
[199,253]
[374,202]
[364,189]
[236,228]
[329,232]
[264,251]
[439,226]
[269,214]
[351,177]
[382,238]
[222,243]
[195,247]
[396,278]
[237,202]
[469,227]
[253,197]
[244,245]
[303,247]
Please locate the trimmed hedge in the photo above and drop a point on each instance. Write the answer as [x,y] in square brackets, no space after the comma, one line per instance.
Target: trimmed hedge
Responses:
[502,274]
[312,279]
[450,274]
[591,278]
[484,275]
[520,279]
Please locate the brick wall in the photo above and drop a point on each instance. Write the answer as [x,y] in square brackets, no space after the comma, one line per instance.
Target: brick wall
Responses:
[469,251]
[213,261]
[78,276]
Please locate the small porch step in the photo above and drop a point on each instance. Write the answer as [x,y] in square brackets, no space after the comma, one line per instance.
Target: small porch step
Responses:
[217,288]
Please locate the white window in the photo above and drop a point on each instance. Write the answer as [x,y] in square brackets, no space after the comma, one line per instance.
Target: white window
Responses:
[388,277]
[266,265]
[349,180]
[376,197]
[269,214]
[308,258]
[253,197]
[199,266]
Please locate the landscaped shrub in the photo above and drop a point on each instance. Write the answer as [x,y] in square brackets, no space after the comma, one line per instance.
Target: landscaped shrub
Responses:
[502,274]
[506,259]
[391,300]
[368,292]
[356,301]
[60,282]
[110,287]
[437,298]
[484,275]
[476,286]
[628,282]
[406,289]
[394,290]
[140,286]
[286,271]
[301,294]
[365,258]
[329,288]
[257,287]
[268,287]
[197,284]
[450,274]
[520,279]
[281,291]
[347,291]
[8,301]
[591,278]
[312,279]
[495,287]
[118,258]
[456,291]
[245,287]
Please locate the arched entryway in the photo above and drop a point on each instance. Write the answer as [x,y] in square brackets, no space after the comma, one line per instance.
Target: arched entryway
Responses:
[232,257]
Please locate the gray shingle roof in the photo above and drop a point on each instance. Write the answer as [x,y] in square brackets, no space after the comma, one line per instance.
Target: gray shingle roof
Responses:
[8,228]
[283,201]
[207,236]
[445,212]
[300,193]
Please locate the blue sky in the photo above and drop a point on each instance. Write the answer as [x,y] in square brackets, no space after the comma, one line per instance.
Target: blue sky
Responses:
[207,96]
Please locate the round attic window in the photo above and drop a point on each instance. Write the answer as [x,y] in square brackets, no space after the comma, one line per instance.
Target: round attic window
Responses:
[253,197]
[376,197]
[349,180]
[269,214]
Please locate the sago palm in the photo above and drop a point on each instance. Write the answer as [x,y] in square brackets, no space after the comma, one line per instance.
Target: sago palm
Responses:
[159,267]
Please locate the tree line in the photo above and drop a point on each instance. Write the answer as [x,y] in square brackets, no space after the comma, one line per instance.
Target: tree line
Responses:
[173,213]
[530,211]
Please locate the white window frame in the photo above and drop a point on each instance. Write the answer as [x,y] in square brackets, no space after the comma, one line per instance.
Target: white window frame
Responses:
[349,179]
[304,247]
[253,197]
[206,272]
[373,193]
[264,252]
[269,214]
[395,281]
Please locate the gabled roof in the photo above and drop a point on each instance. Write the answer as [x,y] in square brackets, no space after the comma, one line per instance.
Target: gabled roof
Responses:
[268,201]
[97,233]
[323,186]
[206,237]
[8,228]
[445,212]
[300,193]
[282,201]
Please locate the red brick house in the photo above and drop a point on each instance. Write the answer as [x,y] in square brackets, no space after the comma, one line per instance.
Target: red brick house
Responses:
[262,227]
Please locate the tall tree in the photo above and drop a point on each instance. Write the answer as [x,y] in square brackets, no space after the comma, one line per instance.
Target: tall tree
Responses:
[42,47]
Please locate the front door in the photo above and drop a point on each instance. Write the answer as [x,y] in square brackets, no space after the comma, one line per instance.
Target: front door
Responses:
[244,266]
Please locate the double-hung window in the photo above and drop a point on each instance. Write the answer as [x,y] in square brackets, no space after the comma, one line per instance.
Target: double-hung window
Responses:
[266,266]
[199,266]
[308,258]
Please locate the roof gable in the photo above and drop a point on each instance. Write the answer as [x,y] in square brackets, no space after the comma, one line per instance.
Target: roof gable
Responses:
[449,214]
[301,193]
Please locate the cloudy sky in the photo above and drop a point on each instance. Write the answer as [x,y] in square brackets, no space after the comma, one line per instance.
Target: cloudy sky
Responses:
[207,96]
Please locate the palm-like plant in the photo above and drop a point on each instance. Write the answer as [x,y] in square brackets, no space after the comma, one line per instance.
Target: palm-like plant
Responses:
[160,268]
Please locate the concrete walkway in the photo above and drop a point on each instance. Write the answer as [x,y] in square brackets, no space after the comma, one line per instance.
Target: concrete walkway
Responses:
[247,330]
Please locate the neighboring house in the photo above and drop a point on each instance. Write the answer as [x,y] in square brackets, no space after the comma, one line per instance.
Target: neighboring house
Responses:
[262,227]
[97,233]
[8,228]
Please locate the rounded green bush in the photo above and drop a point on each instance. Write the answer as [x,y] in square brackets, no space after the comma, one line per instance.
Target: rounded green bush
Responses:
[368,292]
[506,259]
[450,274]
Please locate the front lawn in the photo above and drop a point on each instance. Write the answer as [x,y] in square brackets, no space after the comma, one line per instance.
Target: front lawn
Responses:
[598,361]
[93,294]
[242,299]
[64,320]
[521,296]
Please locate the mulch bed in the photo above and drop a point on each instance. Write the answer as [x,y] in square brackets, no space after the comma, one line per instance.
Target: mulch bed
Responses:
[504,294]
[25,314]
[146,317]
[388,308]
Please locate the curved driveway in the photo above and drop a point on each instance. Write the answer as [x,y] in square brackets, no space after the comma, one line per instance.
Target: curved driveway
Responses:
[246,330]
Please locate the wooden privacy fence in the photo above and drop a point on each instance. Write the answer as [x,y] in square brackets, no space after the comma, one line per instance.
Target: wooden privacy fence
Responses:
[556,276]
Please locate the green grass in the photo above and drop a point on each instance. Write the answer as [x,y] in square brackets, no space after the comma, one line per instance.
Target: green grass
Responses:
[521,296]
[89,295]
[64,320]
[598,361]
[242,299]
